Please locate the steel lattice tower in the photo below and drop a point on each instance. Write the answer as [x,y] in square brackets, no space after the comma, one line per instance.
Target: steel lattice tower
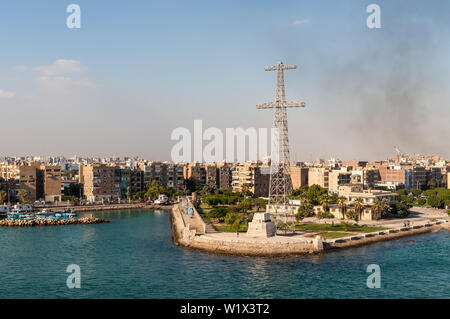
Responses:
[280,178]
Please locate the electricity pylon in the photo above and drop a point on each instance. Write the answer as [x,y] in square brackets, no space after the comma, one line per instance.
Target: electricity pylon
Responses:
[280,179]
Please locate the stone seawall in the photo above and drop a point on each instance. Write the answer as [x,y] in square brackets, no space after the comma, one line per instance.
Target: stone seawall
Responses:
[230,244]
[385,235]
[226,243]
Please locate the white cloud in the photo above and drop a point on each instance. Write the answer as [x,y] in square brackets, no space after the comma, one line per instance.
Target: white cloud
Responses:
[21,68]
[297,22]
[64,74]
[60,67]
[64,82]
[6,94]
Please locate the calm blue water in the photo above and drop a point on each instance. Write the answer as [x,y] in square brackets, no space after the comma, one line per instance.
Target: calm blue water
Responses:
[134,257]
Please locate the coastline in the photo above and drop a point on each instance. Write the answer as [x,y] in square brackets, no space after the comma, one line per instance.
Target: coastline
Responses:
[186,236]
[95,208]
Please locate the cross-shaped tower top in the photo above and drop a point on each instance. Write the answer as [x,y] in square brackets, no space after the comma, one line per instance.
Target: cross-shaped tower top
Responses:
[280,96]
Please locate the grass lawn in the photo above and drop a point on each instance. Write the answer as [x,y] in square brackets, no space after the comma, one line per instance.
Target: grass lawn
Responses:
[339,228]
[203,210]
[334,234]
[227,229]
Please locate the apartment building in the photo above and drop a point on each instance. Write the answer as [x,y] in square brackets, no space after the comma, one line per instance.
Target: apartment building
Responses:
[100,182]
[225,175]
[40,182]
[254,175]
[319,176]
[435,175]
[369,177]
[338,178]
[136,180]
[403,176]
[49,183]
[174,176]
[167,174]
[299,176]
[195,172]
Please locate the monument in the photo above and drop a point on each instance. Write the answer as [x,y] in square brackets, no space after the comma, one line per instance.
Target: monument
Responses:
[261,226]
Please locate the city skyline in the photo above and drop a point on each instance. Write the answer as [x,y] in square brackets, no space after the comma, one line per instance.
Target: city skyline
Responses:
[120,88]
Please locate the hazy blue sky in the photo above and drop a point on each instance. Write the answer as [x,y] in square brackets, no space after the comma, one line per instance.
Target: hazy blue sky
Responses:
[138,69]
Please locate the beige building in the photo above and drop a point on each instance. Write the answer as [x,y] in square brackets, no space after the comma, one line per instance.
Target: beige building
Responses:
[49,178]
[255,175]
[299,176]
[98,182]
[338,178]
[318,176]
[353,192]
[448,180]
[40,182]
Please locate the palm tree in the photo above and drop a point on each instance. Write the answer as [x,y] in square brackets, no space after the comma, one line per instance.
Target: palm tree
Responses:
[23,196]
[325,201]
[385,206]
[380,207]
[359,206]
[3,196]
[342,204]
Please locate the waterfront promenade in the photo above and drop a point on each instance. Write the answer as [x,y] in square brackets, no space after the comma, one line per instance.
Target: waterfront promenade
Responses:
[190,231]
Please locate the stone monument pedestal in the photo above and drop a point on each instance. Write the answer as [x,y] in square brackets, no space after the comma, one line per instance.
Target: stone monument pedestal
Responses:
[261,226]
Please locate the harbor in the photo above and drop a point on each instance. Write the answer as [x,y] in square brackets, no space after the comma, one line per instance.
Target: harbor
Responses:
[137,245]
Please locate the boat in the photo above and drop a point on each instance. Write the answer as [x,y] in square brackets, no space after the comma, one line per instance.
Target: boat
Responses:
[44,212]
[162,199]
[68,213]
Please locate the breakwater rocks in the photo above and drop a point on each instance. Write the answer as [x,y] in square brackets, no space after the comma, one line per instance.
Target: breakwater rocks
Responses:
[51,222]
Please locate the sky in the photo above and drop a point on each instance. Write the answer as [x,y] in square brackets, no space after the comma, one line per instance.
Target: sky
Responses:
[137,70]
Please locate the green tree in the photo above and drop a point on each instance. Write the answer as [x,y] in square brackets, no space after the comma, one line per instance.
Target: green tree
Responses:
[314,194]
[246,190]
[23,196]
[401,209]
[217,213]
[305,210]
[234,220]
[435,201]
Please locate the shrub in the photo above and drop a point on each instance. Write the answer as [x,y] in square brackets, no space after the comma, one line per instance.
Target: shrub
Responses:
[322,214]
[421,201]
[351,214]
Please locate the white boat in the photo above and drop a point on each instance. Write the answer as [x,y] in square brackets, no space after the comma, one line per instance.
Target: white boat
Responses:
[44,212]
[162,199]
[23,208]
